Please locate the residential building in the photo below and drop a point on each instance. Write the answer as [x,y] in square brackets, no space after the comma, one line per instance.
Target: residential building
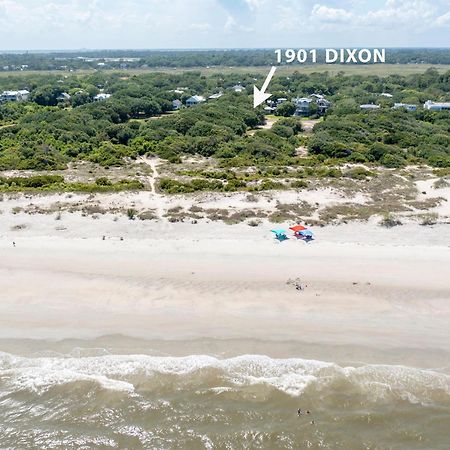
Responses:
[176,104]
[215,96]
[195,100]
[101,96]
[269,110]
[15,96]
[436,106]
[322,105]
[238,88]
[385,94]
[302,106]
[405,106]
[64,97]
[369,107]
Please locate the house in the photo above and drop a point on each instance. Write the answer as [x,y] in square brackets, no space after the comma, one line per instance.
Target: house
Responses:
[176,104]
[64,97]
[238,88]
[405,106]
[269,110]
[385,94]
[24,95]
[369,107]
[215,96]
[436,106]
[322,105]
[101,96]
[282,100]
[15,96]
[302,106]
[195,100]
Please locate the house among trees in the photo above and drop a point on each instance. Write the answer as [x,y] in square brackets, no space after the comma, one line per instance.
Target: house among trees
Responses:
[269,110]
[176,104]
[194,100]
[101,96]
[215,96]
[238,88]
[405,106]
[436,106]
[64,97]
[302,106]
[14,96]
[322,105]
[369,107]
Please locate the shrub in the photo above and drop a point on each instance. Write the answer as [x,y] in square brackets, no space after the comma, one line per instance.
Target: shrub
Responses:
[131,213]
[389,222]
[358,173]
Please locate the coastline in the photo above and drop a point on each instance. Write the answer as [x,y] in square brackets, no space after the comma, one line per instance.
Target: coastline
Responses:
[366,286]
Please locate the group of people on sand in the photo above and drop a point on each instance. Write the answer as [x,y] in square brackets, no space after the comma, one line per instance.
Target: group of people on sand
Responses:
[297,283]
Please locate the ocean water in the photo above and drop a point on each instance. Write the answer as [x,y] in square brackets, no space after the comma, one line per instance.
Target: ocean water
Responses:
[98,400]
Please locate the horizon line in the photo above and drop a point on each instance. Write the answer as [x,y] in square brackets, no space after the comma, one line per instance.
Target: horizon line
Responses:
[200,49]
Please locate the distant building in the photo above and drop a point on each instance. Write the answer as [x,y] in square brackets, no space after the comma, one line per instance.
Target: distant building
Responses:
[102,96]
[405,106]
[63,97]
[369,107]
[436,106]
[322,105]
[269,109]
[238,88]
[215,96]
[385,94]
[302,106]
[15,96]
[176,104]
[195,100]
[281,100]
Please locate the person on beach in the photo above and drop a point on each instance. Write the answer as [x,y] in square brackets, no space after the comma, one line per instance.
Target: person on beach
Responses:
[14,244]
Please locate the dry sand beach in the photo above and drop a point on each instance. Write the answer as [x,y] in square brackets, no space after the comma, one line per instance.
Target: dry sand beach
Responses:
[364,284]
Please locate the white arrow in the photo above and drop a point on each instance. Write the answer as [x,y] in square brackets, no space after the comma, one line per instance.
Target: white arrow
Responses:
[260,96]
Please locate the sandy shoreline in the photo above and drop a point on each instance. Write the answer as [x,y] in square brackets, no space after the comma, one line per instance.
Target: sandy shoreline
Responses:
[366,286]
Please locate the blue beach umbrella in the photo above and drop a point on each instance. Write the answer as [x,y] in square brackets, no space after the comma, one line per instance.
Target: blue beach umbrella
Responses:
[280,234]
[307,233]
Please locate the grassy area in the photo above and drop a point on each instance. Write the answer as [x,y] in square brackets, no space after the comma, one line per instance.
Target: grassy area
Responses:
[333,69]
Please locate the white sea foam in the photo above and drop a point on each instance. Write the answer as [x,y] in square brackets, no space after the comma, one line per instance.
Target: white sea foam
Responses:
[292,376]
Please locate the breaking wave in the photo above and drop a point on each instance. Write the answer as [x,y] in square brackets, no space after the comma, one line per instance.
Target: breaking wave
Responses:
[203,402]
[291,376]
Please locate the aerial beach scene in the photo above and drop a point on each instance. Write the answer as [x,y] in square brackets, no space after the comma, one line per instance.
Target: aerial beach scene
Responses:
[225,228]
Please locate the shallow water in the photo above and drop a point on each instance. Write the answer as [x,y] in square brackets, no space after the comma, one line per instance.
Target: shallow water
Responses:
[92,399]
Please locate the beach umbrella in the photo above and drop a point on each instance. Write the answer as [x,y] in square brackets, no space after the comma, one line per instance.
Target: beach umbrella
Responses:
[306,233]
[297,228]
[278,231]
[280,234]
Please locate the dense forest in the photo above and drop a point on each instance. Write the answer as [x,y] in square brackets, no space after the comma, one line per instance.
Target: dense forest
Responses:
[133,59]
[45,133]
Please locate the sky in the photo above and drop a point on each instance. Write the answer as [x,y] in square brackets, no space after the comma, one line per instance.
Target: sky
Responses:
[147,24]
